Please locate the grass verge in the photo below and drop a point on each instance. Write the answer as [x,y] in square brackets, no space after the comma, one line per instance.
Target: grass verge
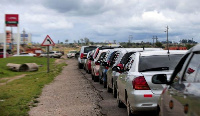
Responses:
[18,96]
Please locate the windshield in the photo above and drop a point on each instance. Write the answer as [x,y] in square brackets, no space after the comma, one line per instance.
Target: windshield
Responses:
[159,62]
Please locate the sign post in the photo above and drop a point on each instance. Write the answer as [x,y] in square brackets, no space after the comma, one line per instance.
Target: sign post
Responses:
[11,20]
[48,42]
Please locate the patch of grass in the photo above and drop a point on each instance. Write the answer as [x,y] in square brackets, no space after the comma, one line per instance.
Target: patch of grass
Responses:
[3,80]
[6,72]
[17,95]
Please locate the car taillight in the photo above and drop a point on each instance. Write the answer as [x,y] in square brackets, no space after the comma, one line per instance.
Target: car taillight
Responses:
[139,83]
[82,55]
[108,63]
[97,63]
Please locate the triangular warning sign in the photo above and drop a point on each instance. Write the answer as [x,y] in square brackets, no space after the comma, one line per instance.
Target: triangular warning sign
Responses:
[48,41]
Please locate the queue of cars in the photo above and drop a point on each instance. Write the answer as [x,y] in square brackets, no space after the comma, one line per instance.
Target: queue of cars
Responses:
[150,79]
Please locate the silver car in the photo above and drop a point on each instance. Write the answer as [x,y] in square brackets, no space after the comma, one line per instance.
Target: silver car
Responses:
[124,55]
[181,96]
[134,86]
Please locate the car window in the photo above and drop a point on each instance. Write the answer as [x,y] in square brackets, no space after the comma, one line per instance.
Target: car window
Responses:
[192,72]
[102,56]
[128,64]
[87,49]
[126,58]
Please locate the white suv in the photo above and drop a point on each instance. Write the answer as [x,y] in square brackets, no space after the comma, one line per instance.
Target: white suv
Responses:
[83,55]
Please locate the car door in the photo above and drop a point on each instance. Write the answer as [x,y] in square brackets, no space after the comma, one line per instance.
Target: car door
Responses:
[183,96]
[121,81]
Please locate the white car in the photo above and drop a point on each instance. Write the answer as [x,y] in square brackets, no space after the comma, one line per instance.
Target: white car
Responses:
[71,53]
[25,54]
[52,54]
[134,86]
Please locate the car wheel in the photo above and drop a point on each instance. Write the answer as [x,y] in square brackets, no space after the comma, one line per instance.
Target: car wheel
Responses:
[104,84]
[109,90]
[114,91]
[129,109]
[80,66]
[96,78]
[100,81]
[89,71]
[119,102]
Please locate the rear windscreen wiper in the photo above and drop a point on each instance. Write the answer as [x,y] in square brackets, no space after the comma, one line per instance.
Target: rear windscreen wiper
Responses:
[156,69]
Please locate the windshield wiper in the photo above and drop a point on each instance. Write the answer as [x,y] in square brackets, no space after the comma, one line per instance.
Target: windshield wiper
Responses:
[156,69]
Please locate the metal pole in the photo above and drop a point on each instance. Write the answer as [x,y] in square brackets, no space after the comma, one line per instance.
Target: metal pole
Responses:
[18,40]
[47,59]
[4,47]
[153,41]
[167,41]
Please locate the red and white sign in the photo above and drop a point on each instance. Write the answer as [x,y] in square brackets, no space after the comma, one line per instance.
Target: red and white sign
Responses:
[12,20]
[48,41]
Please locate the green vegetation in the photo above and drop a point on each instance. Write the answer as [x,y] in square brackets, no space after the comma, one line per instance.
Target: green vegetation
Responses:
[18,96]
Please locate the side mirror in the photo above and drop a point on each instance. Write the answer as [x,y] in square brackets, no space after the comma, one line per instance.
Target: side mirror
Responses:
[116,68]
[159,79]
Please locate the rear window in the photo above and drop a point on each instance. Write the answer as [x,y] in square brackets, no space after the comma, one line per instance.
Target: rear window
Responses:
[159,62]
[87,49]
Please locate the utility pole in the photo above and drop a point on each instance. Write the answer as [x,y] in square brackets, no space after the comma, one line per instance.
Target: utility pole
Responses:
[24,36]
[12,40]
[154,37]
[167,40]
[130,39]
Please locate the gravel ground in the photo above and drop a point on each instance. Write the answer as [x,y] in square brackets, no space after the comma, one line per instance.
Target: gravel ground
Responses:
[70,94]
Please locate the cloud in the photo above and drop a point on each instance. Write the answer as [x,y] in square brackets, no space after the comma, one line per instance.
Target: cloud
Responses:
[101,20]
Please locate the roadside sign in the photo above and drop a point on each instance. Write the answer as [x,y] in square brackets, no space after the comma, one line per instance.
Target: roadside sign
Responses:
[48,41]
[12,20]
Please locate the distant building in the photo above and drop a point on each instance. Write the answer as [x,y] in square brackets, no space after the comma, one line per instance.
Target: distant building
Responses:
[12,38]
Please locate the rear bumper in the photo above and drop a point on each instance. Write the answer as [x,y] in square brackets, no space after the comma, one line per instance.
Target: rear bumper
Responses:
[143,100]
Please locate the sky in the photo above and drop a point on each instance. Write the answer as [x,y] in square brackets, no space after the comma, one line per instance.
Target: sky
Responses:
[105,20]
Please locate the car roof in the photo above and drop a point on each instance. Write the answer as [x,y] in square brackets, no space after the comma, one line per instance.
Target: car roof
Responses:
[162,52]
[194,49]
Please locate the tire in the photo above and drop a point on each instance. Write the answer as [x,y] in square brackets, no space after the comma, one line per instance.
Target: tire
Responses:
[119,102]
[100,81]
[80,66]
[114,91]
[92,77]
[89,71]
[129,109]
[104,84]
[109,90]
[96,78]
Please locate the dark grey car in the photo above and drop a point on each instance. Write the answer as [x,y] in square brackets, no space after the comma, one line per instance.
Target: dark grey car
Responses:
[182,95]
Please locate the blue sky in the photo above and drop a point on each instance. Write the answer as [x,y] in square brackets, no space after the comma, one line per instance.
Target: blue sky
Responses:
[105,20]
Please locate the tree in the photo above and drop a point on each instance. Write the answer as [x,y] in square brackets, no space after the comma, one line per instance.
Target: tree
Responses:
[66,41]
[158,44]
[87,41]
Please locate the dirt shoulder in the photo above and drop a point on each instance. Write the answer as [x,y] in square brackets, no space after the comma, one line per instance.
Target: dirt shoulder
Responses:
[70,94]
